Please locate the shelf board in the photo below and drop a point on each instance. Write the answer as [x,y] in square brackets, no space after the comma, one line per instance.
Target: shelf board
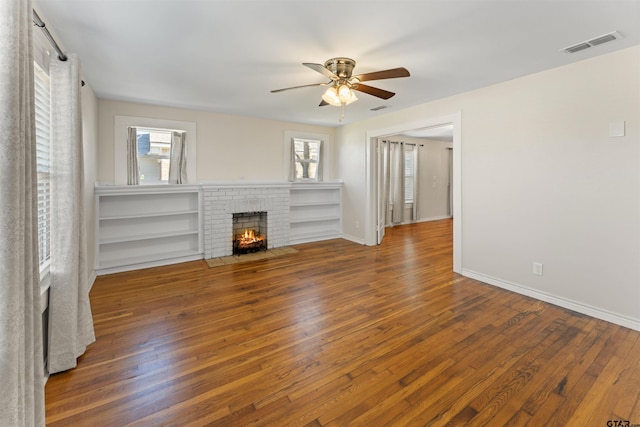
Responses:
[315,233]
[149,215]
[323,203]
[314,236]
[119,262]
[150,236]
[315,219]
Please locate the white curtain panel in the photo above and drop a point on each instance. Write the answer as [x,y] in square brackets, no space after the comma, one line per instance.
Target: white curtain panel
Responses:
[70,321]
[397,182]
[292,160]
[387,184]
[416,182]
[450,186]
[21,357]
[133,169]
[320,165]
[178,158]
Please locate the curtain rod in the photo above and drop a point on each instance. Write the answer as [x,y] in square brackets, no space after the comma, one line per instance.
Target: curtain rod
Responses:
[401,142]
[40,24]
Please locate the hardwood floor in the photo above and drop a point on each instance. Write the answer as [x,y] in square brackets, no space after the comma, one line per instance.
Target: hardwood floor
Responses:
[342,334]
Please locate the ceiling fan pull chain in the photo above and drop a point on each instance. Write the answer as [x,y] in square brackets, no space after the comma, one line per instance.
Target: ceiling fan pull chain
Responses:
[341,112]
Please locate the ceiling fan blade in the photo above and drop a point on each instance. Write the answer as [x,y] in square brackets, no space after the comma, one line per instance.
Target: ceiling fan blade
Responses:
[393,73]
[321,69]
[380,93]
[298,87]
[323,103]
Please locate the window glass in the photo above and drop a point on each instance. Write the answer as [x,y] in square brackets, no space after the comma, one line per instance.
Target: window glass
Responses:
[408,174]
[154,149]
[43,125]
[307,159]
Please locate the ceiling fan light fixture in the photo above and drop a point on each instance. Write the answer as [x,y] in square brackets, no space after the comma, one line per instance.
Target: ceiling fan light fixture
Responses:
[331,97]
[348,99]
[344,93]
[339,95]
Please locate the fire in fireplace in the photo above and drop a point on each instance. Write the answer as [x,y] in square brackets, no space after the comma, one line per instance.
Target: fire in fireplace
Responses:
[249,241]
[249,232]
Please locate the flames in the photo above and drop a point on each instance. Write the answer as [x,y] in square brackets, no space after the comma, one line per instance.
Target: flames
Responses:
[248,238]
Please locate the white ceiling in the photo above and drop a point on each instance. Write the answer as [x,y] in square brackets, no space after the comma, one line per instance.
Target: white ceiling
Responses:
[226,55]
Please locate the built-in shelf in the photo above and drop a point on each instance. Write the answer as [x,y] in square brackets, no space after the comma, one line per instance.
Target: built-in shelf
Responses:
[312,203]
[148,215]
[133,262]
[316,219]
[141,226]
[149,236]
[315,212]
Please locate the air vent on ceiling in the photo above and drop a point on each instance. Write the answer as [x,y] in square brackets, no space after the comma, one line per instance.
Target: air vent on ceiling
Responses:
[382,107]
[593,42]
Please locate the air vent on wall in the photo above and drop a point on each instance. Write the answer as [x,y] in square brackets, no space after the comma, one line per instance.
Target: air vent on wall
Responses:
[382,107]
[593,42]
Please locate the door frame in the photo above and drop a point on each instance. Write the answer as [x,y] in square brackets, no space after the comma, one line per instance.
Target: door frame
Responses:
[372,172]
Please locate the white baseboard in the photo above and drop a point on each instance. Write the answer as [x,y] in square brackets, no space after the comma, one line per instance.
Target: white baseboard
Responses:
[434,218]
[353,239]
[139,266]
[589,310]
[92,278]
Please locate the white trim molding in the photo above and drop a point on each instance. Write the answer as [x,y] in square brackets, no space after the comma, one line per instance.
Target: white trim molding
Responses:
[598,313]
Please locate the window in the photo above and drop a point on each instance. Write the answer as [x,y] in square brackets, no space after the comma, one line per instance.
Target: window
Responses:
[408,174]
[306,156]
[154,148]
[121,131]
[43,124]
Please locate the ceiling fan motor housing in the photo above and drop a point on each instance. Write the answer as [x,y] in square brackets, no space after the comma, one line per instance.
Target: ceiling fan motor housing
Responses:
[341,67]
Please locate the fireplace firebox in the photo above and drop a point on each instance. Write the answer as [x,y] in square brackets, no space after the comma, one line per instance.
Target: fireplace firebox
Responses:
[249,232]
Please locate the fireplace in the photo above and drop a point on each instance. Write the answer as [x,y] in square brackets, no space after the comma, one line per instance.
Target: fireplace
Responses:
[222,200]
[249,232]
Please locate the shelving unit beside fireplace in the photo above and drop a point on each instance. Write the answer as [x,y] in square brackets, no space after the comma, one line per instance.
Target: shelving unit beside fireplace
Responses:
[316,212]
[144,226]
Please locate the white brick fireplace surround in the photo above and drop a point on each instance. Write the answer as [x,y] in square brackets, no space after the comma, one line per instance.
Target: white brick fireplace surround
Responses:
[222,200]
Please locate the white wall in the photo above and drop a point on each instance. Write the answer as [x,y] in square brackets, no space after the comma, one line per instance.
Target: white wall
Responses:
[433,175]
[229,148]
[541,181]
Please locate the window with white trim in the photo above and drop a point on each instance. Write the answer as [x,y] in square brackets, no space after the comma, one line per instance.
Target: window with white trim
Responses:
[43,126]
[306,158]
[121,127]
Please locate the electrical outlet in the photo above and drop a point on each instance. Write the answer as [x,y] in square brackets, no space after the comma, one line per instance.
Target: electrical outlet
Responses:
[537,268]
[357,224]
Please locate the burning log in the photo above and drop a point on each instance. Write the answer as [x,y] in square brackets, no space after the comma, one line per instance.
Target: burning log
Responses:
[249,241]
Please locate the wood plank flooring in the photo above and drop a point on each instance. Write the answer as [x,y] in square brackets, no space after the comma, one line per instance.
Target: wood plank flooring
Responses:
[342,334]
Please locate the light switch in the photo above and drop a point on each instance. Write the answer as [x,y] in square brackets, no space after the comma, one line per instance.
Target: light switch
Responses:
[616,129]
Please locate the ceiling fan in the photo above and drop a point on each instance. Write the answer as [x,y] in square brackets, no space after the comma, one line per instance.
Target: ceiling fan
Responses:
[342,83]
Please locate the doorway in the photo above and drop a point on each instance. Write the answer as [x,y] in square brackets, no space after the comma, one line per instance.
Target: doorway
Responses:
[374,231]
[415,180]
